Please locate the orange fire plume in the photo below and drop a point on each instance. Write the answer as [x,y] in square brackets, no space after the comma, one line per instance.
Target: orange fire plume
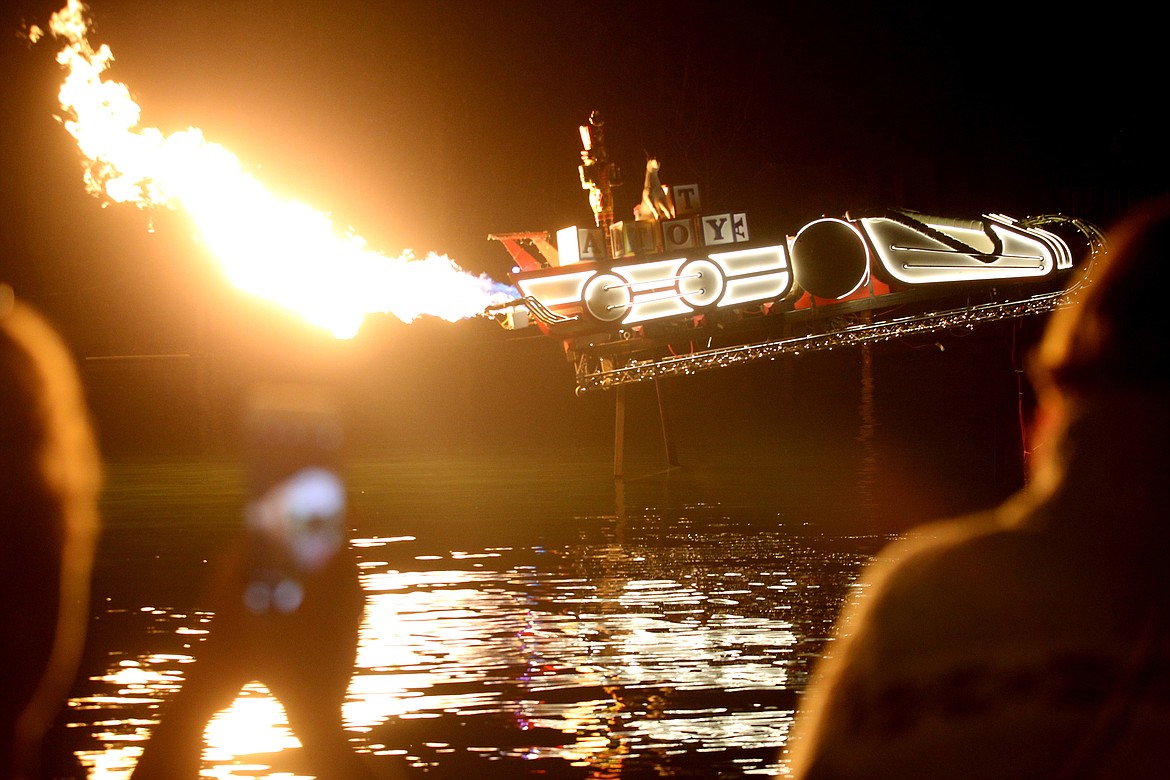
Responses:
[283,251]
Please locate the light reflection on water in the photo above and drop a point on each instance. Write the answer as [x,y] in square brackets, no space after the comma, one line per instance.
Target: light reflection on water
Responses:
[525,615]
[669,638]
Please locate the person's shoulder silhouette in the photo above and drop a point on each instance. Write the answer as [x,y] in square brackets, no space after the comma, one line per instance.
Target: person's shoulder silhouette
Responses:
[50,477]
[1030,640]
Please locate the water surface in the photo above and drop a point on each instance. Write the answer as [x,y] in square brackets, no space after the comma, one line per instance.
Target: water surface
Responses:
[518,621]
[528,616]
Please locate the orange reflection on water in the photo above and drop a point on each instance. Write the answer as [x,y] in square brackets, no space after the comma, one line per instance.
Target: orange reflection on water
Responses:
[138,685]
[456,642]
[255,725]
[667,650]
[239,741]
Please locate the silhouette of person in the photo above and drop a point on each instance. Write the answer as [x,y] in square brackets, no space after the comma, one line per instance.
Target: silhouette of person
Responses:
[287,602]
[1031,641]
[50,478]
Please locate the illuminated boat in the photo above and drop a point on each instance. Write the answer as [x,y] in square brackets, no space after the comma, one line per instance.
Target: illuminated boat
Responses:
[678,289]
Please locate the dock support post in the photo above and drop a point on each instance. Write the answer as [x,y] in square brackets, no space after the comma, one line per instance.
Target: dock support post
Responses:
[667,428]
[619,432]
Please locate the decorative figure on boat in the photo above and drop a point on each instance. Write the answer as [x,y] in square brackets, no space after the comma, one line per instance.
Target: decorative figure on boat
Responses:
[598,174]
[656,201]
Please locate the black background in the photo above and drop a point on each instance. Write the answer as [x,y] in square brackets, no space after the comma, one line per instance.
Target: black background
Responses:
[430,125]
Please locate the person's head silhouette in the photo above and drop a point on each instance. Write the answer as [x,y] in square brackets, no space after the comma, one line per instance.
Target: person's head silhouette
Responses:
[1110,339]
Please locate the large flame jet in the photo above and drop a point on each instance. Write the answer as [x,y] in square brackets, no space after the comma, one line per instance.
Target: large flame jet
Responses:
[284,251]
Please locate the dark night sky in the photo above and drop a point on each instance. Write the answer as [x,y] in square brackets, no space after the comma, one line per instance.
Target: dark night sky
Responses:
[429,125]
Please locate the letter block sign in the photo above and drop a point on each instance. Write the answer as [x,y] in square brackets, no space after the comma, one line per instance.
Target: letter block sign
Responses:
[681,233]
